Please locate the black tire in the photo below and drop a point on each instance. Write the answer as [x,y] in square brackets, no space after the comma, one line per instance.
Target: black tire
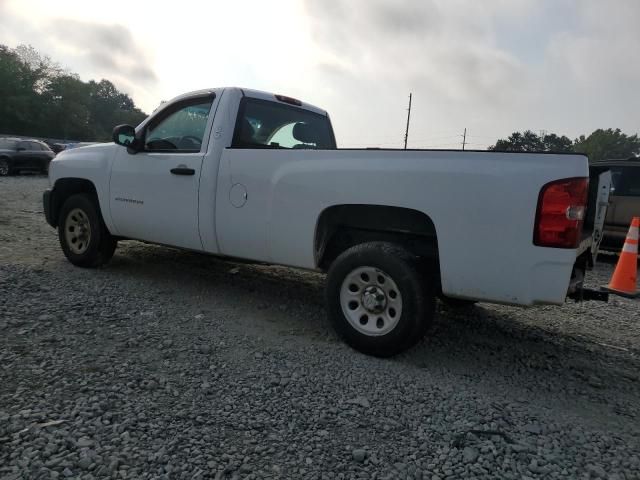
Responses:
[5,167]
[457,303]
[415,291]
[100,245]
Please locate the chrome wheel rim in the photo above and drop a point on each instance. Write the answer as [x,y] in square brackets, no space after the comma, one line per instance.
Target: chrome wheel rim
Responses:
[371,301]
[77,231]
[4,167]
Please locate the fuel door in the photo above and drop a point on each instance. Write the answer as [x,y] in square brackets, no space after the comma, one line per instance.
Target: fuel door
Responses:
[238,195]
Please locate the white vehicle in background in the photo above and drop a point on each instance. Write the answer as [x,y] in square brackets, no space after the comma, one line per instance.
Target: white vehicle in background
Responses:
[257,176]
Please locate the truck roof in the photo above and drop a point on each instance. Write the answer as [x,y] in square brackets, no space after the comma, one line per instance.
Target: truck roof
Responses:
[247,92]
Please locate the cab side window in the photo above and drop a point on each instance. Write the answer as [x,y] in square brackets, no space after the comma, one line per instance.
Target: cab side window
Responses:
[180,129]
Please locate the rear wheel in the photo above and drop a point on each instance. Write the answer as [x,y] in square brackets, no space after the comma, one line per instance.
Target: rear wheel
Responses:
[5,168]
[84,238]
[377,299]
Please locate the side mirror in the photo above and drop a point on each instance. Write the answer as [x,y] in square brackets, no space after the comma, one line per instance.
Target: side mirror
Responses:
[125,135]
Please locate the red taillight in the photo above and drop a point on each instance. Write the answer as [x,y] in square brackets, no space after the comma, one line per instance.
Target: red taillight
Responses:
[561,208]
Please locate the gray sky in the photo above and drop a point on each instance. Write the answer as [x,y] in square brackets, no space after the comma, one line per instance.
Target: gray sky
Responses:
[492,66]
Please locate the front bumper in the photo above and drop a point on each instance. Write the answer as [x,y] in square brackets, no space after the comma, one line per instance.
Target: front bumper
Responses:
[47,203]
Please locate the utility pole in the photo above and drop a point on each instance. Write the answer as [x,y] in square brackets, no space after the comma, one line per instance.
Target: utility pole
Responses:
[464,138]
[406,133]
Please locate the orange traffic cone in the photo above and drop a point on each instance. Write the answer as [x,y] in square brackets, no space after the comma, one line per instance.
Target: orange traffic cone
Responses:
[623,281]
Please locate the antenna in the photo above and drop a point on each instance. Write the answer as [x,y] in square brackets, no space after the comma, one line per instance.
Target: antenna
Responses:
[406,133]
[464,138]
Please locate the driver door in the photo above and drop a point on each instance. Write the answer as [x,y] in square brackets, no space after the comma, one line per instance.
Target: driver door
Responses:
[153,193]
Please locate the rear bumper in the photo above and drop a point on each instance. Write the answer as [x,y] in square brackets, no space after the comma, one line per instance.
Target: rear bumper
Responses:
[47,203]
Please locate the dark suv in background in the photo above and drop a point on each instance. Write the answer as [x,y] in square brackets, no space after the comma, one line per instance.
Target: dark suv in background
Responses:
[19,154]
[624,200]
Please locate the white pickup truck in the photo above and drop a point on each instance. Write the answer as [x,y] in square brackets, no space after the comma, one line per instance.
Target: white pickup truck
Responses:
[252,175]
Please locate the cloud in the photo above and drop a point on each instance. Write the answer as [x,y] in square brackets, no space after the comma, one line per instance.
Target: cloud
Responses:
[92,49]
[383,50]
[493,66]
[108,48]
[589,76]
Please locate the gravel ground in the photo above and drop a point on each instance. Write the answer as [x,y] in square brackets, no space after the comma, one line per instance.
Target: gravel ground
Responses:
[168,364]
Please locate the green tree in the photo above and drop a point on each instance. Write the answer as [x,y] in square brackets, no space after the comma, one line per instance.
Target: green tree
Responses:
[66,114]
[528,141]
[43,69]
[39,98]
[17,95]
[555,143]
[109,107]
[607,144]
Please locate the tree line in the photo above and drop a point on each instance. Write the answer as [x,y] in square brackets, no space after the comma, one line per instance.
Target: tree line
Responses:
[600,145]
[39,98]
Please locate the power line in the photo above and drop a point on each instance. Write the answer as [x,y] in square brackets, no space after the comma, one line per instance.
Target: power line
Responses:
[441,137]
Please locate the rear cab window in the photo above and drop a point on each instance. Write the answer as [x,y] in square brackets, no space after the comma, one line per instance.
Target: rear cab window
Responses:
[274,124]
[625,181]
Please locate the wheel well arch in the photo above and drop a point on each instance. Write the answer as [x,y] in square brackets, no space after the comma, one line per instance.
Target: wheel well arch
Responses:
[64,188]
[340,227]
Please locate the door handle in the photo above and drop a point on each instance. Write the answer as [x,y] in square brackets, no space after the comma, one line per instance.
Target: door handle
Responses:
[182,171]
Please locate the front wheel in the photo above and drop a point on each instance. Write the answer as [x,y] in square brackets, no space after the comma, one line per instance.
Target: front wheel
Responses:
[84,238]
[378,300]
